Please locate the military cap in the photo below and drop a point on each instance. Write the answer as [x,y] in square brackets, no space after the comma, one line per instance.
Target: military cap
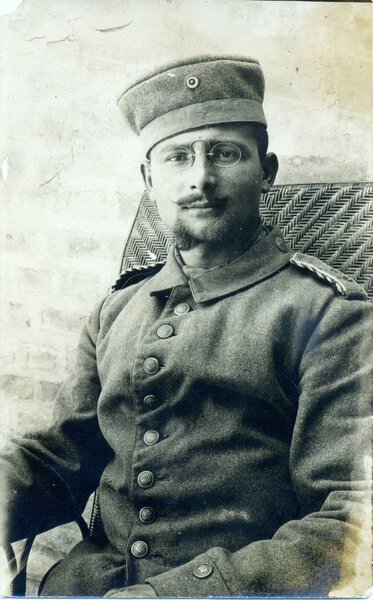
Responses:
[192,93]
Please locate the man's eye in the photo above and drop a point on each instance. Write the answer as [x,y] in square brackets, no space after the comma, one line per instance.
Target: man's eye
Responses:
[178,157]
[226,154]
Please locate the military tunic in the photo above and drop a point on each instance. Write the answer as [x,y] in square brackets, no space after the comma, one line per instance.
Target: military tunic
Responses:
[224,419]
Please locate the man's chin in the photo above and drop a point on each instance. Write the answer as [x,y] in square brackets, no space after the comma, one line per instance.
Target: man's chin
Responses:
[187,238]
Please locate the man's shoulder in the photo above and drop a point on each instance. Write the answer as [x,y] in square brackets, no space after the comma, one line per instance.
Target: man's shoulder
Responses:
[128,283]
[341,283]
[136,274]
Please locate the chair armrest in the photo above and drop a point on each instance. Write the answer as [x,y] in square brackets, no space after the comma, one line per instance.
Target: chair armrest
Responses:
[17,564]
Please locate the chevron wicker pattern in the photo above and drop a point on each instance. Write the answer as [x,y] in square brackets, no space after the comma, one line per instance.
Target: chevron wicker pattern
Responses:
[333,222]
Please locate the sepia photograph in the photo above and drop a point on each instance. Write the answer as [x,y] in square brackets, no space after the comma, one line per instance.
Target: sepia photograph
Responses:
[186,278]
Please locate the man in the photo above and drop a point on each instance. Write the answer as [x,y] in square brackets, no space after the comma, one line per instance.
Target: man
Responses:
[220,404]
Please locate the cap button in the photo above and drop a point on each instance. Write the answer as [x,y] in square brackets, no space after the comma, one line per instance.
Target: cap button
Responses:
[192,82]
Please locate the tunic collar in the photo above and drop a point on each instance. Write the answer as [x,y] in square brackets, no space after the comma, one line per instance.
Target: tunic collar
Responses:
[260,261]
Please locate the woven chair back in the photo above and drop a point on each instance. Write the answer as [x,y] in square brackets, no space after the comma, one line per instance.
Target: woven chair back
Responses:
[333,222]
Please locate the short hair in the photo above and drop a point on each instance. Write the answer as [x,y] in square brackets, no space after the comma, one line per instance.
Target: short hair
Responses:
[261,135]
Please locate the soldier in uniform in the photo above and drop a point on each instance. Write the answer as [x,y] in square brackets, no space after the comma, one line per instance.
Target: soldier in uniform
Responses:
[221,403]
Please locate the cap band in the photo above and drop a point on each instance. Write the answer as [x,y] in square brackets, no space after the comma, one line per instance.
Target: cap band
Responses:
[191,116]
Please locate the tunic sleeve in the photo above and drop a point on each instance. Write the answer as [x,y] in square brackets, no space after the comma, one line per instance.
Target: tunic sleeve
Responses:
[327,548]
[47,476]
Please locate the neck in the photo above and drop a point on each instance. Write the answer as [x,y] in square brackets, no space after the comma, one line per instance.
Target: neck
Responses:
[206,255]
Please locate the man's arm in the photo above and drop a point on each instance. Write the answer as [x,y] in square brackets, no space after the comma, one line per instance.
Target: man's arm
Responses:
[47,477]
[321,549]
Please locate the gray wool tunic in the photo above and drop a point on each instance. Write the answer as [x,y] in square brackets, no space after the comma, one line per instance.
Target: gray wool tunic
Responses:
[224,420]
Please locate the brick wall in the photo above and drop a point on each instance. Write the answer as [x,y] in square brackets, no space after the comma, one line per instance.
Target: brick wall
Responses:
[69,177]
[58,259]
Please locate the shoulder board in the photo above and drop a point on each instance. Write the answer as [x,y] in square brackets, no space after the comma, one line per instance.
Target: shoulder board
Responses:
[342,283]
[135,274]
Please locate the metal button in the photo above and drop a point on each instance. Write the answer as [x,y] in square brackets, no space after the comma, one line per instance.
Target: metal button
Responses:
[165,331]
[147,514]
[281,244]
[150,401]
[192,82]
[202,571]
[151,365]
[145,479]
[151,437]
[182,308]
[139,549]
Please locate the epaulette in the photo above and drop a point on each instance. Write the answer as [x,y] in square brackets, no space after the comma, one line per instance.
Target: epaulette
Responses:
[342,283]
[135,274]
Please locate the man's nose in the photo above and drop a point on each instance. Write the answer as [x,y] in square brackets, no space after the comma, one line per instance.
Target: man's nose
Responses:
[202,172]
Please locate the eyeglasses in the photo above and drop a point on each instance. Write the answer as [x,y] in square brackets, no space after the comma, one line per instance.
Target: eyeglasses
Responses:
[222,154]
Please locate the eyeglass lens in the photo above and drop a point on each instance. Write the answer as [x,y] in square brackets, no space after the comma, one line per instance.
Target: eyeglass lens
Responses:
[222,154]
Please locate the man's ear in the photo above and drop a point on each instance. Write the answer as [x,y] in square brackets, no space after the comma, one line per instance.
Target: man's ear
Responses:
[270,168]
[146,175]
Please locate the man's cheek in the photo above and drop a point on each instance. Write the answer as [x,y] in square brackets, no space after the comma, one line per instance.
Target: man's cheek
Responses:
[168,210]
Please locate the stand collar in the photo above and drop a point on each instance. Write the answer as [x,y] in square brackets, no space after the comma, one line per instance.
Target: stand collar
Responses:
[259,262]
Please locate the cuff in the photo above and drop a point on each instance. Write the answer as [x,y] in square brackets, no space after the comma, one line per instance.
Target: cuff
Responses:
[200,577]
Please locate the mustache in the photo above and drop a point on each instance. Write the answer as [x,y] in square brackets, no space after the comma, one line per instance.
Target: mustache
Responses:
[197,198]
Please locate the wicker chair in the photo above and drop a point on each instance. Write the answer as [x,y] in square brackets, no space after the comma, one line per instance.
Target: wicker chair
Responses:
[333,222]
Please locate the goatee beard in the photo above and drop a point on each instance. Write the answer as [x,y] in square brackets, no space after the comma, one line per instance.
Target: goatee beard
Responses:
[183,238]
[187,240]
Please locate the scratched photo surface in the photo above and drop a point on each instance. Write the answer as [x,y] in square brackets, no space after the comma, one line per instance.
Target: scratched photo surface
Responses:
[70,181]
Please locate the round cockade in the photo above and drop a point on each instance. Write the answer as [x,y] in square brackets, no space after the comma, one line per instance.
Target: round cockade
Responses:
[192,82]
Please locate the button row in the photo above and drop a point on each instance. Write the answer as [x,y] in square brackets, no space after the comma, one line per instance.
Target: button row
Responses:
[145,479]
[151,364]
